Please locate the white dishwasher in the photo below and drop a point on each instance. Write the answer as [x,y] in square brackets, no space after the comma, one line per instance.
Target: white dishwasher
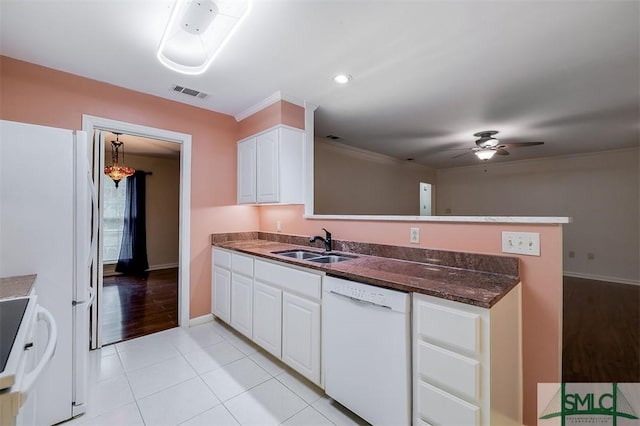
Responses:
[366,345]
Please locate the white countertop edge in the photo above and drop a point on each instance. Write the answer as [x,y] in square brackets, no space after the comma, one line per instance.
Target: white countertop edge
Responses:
[459,219]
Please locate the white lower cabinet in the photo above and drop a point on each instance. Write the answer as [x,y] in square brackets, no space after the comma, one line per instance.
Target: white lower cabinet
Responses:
[221,284]
[286,315]
[275,305]
[467,362]
[242,304]
[301,335]
[242,293]
[267,317]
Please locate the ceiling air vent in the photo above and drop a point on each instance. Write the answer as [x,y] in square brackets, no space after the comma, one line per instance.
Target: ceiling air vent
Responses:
[189,92]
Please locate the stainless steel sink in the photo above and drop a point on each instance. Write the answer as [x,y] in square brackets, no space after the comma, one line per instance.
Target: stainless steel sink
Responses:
[298,254]
[314,256]
[333,258]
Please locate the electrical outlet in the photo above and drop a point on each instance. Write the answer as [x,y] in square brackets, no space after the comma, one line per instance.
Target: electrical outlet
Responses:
[591,256]
[278,226]
[527,243]
[414,235]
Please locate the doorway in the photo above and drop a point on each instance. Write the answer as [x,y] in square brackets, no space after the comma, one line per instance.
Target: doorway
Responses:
[100,127]
[140,253]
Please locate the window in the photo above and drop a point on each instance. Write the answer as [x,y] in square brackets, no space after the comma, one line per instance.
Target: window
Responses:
[114,207]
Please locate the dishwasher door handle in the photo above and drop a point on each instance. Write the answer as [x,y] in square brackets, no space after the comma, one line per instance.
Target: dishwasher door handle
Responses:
[360,301]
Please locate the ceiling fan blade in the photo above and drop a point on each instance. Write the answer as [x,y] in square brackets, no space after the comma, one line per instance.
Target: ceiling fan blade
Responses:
[480,142]
[460,155]
[521,144]
[502,151]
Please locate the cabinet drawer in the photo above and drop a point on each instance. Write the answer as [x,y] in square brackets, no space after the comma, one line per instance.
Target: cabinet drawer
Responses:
[222,258]
[461,375]
[287,278]
[452,327]
[242,264]
[439,407]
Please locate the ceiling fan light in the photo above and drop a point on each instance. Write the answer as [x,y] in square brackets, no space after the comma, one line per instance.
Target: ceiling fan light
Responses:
[485,154]
[342,78]
[197,32]
[491,142]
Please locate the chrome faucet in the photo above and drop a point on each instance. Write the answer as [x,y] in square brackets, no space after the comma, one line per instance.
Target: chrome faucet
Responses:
[328,242]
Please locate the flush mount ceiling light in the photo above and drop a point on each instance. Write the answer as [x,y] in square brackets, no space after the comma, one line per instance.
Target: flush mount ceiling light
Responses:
[197,32]
[342,78]
[485,154]
[115,171]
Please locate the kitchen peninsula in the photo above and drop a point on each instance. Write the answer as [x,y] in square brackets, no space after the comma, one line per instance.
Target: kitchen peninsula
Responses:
[464,339]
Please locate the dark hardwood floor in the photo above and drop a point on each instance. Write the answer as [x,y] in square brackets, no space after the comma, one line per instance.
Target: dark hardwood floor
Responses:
[601,331]
[135,306]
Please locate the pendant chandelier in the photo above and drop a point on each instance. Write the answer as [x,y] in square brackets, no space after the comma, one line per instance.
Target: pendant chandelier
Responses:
[116,171]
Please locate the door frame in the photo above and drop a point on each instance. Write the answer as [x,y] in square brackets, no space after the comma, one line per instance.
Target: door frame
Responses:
[91,123]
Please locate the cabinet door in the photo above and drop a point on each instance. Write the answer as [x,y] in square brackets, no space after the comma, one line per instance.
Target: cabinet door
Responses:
[247,171]
[267,317]
[242,304]
[221,293]
[301,335]
[268,167]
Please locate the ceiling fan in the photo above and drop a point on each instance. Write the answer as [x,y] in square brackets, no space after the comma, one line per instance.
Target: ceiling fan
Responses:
[488,145]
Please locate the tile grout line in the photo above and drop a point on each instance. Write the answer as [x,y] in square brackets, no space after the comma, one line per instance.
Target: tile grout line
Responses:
[236,342]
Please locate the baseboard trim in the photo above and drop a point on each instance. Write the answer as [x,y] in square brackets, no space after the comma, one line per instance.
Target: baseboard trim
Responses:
[162,266]
[600,278]
[200,320]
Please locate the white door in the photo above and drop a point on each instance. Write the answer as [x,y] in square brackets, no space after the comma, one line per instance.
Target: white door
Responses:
[267,317]
[268,167]
[242,304]
[301,335]
[96,270]
[425,199]
[221,294]
[247,171]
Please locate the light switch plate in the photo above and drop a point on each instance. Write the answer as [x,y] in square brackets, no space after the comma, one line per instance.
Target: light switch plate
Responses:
[527,243]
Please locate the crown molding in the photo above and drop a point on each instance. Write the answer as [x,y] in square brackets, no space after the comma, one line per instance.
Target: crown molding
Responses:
[276,97]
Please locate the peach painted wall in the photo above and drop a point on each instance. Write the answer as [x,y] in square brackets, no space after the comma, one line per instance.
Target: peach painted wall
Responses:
[541,276]
[38,95]
[281,112]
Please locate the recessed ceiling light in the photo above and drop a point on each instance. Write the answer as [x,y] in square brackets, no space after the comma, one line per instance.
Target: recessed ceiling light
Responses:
[342,78]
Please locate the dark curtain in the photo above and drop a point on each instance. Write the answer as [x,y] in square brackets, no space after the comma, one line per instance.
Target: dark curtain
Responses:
[133,251]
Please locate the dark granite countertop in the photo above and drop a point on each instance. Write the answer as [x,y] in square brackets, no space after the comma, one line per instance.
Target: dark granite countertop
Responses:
[16,286]
[474,287]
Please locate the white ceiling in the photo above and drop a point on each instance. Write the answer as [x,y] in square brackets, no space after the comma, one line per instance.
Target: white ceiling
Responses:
[426,74]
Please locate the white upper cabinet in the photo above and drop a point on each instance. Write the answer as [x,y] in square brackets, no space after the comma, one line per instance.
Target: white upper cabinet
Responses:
[247,171]
[270,167]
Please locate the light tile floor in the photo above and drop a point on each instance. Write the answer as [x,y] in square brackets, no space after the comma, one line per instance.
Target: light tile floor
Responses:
[205,375]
